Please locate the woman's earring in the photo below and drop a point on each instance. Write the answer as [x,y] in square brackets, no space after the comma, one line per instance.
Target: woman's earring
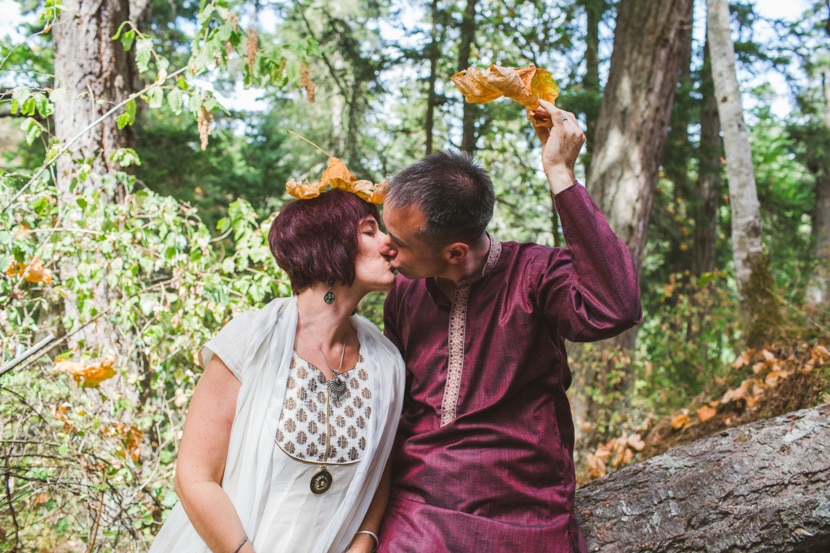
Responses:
[329,297]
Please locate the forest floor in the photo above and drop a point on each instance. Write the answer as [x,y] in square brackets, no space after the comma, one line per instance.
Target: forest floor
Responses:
[775,380]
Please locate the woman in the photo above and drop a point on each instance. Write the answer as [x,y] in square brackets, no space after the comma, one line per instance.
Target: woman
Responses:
[290,426]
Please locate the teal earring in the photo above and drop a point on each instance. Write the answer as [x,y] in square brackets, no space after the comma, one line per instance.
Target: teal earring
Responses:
[329,297]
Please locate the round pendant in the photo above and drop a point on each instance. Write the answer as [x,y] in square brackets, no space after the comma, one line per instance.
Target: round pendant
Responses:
[321,481]
[329,297]
[337,389]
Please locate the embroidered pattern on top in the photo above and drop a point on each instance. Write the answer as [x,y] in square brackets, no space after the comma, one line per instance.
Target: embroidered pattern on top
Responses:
[457,333]
[301,432]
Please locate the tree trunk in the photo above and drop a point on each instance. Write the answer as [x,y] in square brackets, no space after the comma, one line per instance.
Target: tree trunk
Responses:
[594,10]
[469,136]
[752,273]
[636,108]
[818,290]
[631,132]
[704,253]
[432,99]
[763,487]
[677,161]
[93,73]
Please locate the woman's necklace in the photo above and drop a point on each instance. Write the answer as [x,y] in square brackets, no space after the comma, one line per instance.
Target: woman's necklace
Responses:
[337,385]
[335,388]
[322,479]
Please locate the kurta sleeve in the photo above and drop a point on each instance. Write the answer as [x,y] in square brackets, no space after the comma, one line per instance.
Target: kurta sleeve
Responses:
[589,290]
[230,344]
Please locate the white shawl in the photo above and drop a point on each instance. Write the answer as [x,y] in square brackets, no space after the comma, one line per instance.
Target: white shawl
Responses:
[251,444]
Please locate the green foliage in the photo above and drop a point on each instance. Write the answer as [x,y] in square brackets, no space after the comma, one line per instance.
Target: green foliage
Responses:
[255,169]
[77,455]
[687,341]
[136,286]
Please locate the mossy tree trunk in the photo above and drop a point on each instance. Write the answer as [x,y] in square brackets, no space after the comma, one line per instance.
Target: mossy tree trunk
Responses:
[759,301]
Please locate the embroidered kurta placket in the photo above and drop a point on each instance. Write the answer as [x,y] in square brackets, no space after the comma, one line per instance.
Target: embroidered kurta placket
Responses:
[457,334]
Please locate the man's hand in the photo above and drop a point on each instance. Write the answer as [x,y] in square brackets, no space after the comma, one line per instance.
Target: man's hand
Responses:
[562,139]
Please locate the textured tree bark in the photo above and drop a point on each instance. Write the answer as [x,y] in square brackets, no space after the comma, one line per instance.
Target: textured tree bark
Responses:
[752,273]
[746,212]
[469,134]
[93,73]
[434,53]
[709,179]
[631,132]
[762,487]
[756,286]
[594,10]
[677,159]
[636,108]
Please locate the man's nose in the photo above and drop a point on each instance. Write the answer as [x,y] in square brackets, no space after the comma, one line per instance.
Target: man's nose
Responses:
[386,248]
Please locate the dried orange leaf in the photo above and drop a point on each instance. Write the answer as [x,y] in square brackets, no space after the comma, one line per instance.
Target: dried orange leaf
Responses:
[525,85]
[362,188]
[679,421]
[603,453]
[33,272]
[336,171]
[337,175]
[705,413]
[742,360]
[380,192]
[819,354]
[774,377]
[131,436]
[596,467]
[87,375]
[741,392]
[543,85]
[807,368]
[636,443]
[303,191]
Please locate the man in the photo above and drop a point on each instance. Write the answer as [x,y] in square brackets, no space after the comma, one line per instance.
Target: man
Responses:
[484,456]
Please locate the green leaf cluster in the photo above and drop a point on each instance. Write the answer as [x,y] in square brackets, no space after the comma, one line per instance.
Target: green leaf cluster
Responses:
[170,285]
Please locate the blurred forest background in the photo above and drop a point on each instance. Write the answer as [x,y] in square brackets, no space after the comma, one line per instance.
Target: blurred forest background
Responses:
[145,149]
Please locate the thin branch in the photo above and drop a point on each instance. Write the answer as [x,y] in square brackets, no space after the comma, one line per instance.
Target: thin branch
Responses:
[301,137]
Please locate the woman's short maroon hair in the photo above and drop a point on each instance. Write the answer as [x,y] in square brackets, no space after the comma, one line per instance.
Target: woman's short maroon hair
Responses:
[316,240]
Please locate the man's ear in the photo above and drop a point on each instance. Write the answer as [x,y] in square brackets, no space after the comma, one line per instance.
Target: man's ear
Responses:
[456,252]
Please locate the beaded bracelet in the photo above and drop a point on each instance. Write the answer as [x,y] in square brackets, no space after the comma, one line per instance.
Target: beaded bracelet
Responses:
[238,547]
[374,537]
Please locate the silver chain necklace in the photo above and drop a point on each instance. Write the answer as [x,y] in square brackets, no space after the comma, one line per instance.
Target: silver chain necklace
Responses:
[337,385]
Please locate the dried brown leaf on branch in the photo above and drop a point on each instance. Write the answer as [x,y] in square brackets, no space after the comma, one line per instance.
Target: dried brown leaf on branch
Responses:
[204,122]
[307,84]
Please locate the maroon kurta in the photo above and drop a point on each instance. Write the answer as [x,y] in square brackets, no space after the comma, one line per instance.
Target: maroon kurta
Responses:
[485,445]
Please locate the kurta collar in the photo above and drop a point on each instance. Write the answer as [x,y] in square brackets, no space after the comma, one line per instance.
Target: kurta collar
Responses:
[493,256]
